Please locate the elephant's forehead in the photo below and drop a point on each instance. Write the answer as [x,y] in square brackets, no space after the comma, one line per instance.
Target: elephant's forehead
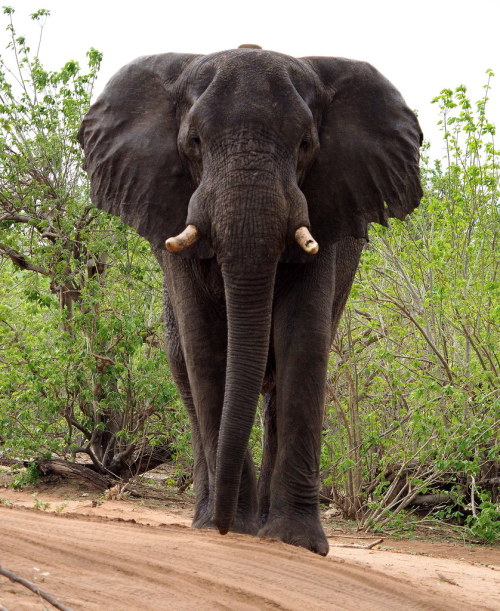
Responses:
[244,58]
[253,68]
[251,81]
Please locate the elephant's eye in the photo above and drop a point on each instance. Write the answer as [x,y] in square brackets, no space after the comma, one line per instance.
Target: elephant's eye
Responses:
[193,145]
[305,143]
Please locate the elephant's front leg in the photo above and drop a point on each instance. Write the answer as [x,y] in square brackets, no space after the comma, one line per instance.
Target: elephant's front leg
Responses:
[302,334]
[200,371]
[179,373]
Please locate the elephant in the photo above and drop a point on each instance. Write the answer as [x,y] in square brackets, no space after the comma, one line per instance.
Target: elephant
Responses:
[254,176]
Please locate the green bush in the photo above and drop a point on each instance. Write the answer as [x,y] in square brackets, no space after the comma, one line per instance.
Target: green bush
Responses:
[82,367]
[413,388]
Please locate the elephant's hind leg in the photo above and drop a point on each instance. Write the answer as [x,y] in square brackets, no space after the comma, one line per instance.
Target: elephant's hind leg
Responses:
[269,448]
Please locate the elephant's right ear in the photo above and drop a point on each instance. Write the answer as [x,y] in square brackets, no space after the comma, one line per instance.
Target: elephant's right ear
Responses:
[130,141]
[367,168]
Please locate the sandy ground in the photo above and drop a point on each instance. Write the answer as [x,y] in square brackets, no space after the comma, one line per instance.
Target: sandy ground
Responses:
[122,554]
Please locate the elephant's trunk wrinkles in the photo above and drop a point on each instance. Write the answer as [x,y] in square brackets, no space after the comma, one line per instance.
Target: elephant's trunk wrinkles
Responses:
[249,304]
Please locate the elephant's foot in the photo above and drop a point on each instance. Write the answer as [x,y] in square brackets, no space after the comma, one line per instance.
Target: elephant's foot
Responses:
[302,531]
[246,525]
[244,522]
[202,520]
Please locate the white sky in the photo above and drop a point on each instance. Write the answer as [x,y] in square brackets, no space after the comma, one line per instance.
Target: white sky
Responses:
[422,46]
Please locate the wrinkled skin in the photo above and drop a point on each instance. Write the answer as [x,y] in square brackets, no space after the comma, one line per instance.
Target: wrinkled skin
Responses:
[247,146]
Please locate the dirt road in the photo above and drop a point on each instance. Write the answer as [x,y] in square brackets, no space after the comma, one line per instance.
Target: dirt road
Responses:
[104,560]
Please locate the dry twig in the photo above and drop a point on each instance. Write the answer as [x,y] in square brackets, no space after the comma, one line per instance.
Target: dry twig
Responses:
[349,536]
[356,546]
[34,588]
[447,579]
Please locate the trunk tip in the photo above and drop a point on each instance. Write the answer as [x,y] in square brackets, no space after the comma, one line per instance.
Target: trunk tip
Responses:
[222,524]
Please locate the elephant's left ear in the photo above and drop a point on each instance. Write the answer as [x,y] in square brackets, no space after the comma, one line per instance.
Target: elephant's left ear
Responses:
[367,169]
[129,137]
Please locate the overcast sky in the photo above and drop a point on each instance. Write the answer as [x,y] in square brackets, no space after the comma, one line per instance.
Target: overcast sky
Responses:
[421,46]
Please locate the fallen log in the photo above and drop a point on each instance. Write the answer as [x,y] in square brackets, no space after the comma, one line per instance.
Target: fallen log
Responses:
[57,466]
[431,499]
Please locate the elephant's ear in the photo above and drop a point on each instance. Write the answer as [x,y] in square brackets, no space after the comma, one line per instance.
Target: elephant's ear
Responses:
[367,169]
[130,141]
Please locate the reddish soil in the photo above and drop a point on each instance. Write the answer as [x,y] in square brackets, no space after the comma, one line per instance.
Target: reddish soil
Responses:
[91,553]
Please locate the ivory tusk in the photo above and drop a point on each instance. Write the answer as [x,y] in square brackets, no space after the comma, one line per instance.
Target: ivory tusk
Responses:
[306,241]
[180,242]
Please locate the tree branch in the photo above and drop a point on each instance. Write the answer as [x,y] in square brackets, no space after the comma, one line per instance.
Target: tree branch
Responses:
[429,341]
[19,260]
[16,218]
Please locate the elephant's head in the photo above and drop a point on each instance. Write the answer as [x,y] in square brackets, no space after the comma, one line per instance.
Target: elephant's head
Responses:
[245,155]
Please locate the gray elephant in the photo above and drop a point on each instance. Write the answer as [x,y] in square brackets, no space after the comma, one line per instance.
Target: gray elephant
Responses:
[240,158]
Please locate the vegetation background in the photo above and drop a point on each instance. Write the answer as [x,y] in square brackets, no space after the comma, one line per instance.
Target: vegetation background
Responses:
[411,430]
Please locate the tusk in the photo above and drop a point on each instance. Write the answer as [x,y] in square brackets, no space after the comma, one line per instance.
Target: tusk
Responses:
[180,242]
[306,241]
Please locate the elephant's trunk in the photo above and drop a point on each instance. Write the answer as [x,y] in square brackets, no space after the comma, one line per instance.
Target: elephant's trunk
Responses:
[249,298]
